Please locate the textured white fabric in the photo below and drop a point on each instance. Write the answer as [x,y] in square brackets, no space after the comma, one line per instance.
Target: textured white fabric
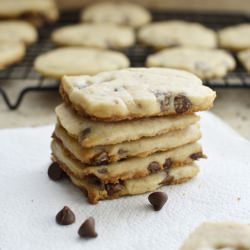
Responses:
[29,200]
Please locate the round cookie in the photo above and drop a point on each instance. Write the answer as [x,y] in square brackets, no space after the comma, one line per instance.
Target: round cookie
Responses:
[235,37]
[11,53]
[205,63]
[122,13]
[78,61]
[46,9]
[177,33]
[95,35]
[18,31]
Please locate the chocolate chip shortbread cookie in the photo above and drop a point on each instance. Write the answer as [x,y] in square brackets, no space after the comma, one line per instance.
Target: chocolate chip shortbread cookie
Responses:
[205,63]
[78,61]
[122,13]
[177,33]
[235,37]
[90,133]
[136,93]
[95,35]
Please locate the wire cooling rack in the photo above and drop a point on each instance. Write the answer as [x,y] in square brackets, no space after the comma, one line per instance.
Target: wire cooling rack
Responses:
[25,79]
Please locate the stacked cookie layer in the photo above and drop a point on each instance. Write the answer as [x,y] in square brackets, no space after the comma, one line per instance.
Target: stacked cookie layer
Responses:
[130,131]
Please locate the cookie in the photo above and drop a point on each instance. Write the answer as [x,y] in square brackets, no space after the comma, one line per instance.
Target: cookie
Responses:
[78,61]
[244,58]
[174,33]
[223,235]
[136,93]
[205,63]
[11,53]
[45,10]
[140,148]
[95,35]
[122,13]
[92,133]
[235,37]
[17,31]
[128,169]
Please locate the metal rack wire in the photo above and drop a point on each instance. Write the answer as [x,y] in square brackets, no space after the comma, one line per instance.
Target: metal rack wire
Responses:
[26,80]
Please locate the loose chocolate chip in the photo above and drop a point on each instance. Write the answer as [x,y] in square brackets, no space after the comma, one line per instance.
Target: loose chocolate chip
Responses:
[154,167]
[158,199]
[102,171]
[181,104]
[65,216]
[87,229]
[163,99]
[113,188]
[55,173]
[196,156]
[101,159]
[167,164]
[83,134]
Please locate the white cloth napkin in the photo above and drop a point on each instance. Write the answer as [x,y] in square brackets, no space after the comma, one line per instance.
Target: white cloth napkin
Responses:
[29,200]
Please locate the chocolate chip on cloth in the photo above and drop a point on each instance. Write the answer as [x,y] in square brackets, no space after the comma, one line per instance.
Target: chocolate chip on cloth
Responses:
[158,199]
[182,104]
[55,173]
[87,229]
[65,216]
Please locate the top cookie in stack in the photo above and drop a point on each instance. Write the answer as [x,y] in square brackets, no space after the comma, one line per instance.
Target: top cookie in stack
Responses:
[129,131]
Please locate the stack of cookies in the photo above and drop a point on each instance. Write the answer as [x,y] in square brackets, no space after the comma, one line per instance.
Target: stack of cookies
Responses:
[129,131]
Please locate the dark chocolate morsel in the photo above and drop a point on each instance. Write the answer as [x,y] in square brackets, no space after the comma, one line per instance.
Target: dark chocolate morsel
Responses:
[158,199]
[113,188]
[154,167]
[55,173]
[83,134]
[182,104]
[167,164]
[196,156]
[87,229]
[65,216]
[101,158]
[93,180]
[163,99]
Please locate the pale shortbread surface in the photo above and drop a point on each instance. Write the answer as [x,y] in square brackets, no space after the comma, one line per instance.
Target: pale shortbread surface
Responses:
[244,58]
[19,31]
[177,33]
[18,8]
[127,169]
[223,235]
[135,93]
[122,13]
[78,61]
[140,148]
[95,35]
[205,63]
[235,37]
[11,53]
[92,133]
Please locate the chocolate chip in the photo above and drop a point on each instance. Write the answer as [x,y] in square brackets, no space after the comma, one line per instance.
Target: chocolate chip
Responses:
[163,99]
[154,167]
[113,188]
[65,216]
[123,153]
[158,199]
[93,180]
[102,171]
[168,180]
[167,164]
[87,229]
[55,173]
[83,134]
[101,158]
[196,156]
[181,104]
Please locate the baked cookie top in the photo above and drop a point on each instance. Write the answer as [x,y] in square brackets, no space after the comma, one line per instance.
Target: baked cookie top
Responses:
[123,13]
[244,57]
[18,8]
[95,35]
[11,53]
[78,61]
[177,33]
[225,235]
[19,31]
[136,93]
[235,37]
[205,63]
